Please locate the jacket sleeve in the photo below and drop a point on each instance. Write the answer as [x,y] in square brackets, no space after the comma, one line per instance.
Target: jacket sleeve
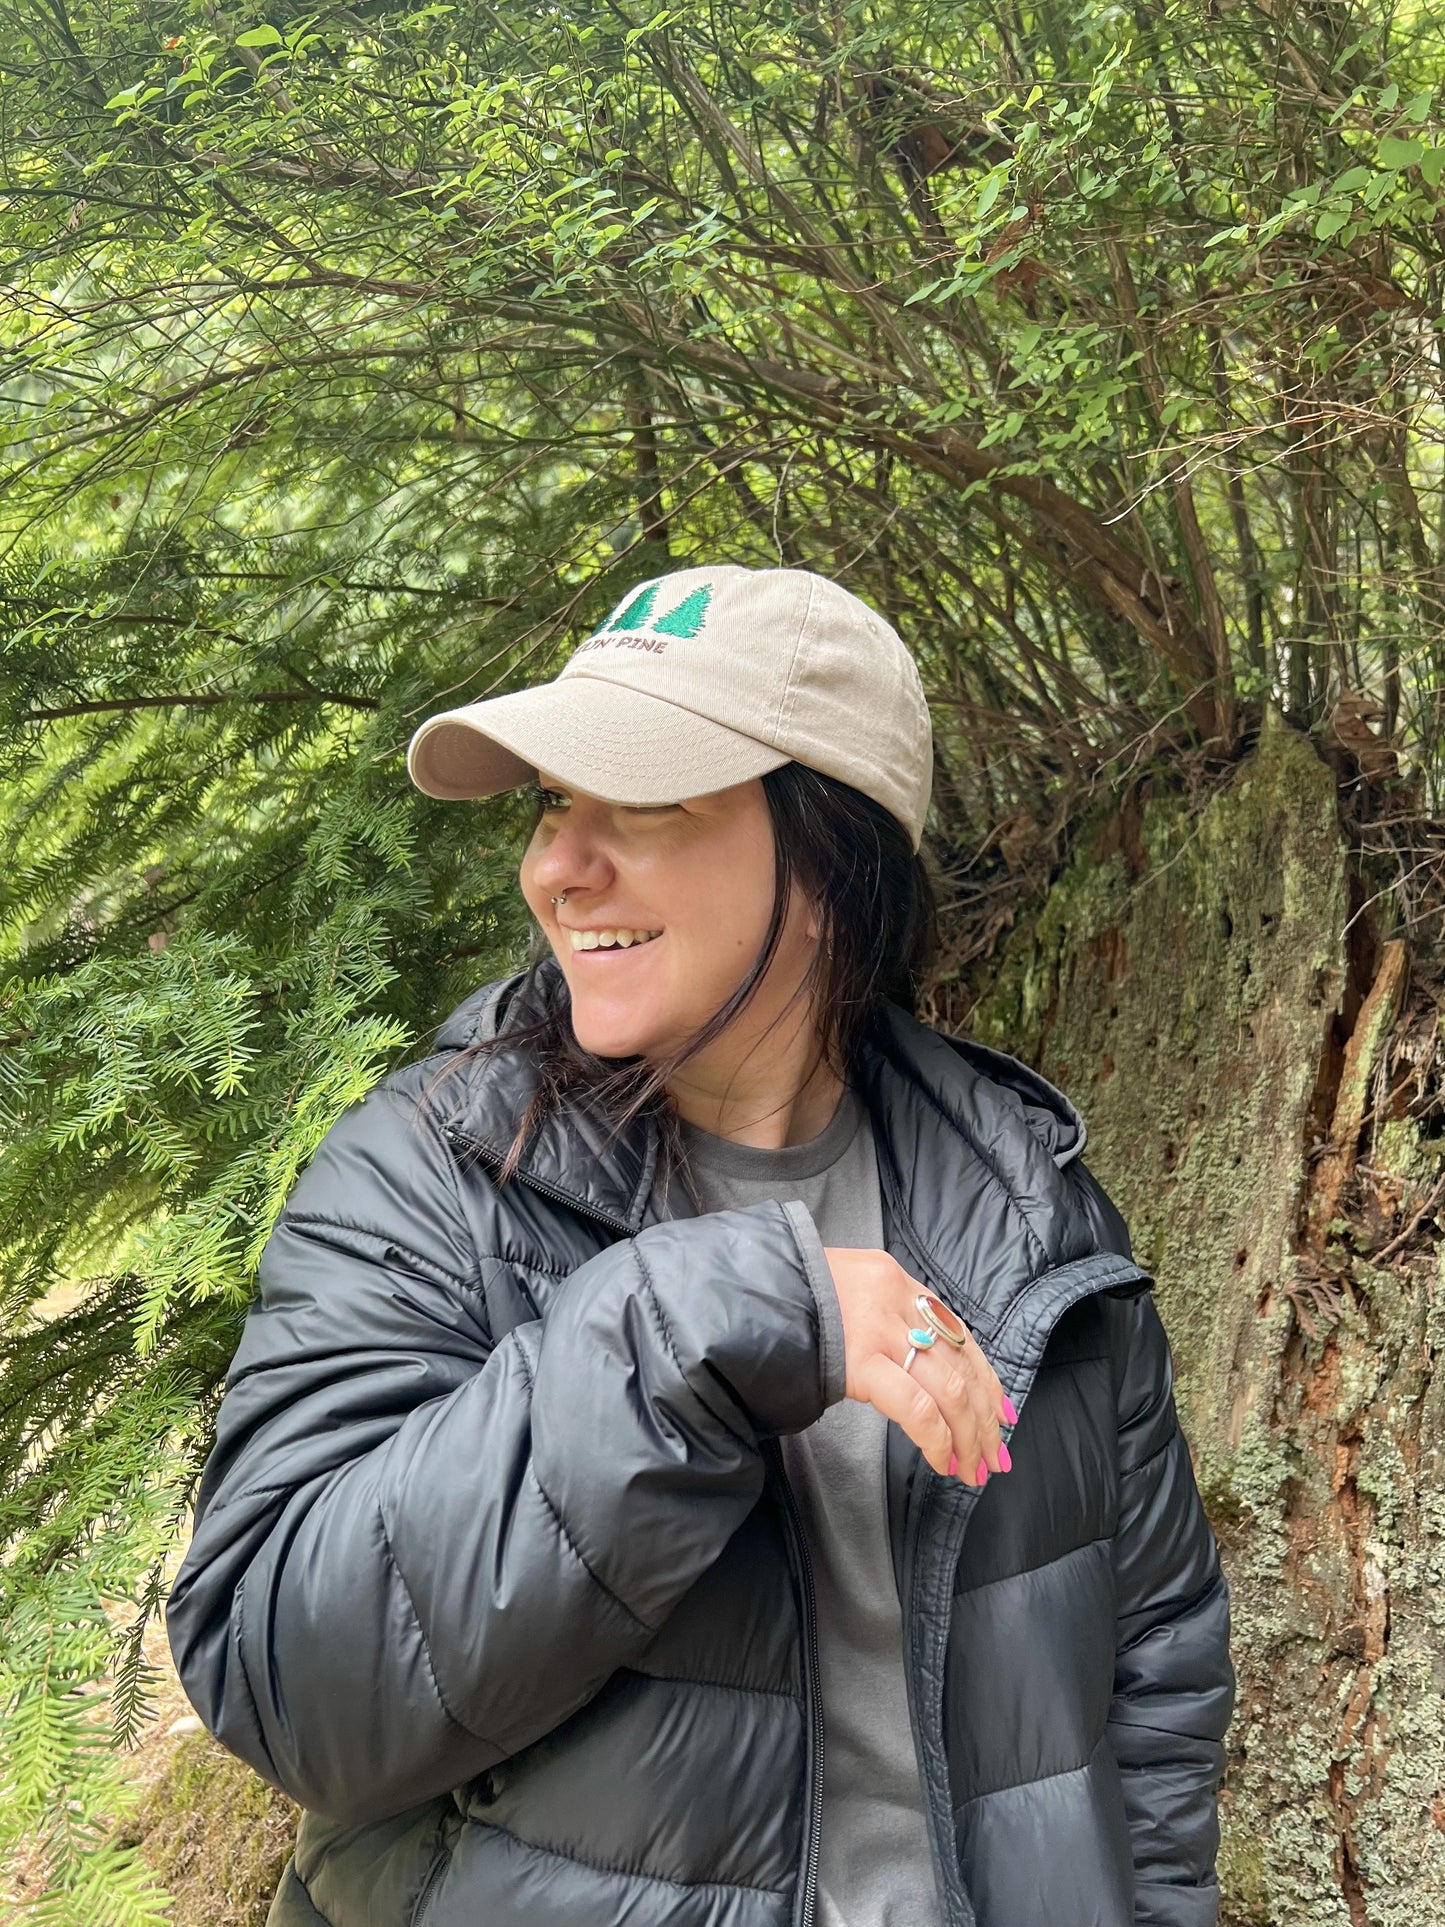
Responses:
[1173,1682]
[418,1550]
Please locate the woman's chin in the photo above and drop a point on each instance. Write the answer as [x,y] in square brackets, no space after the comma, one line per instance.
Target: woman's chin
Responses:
[610,1034]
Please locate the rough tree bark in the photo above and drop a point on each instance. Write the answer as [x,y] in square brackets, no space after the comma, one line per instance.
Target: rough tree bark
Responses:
[1204,989]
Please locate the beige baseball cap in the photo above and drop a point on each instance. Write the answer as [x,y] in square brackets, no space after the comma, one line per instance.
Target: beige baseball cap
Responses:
[698,680]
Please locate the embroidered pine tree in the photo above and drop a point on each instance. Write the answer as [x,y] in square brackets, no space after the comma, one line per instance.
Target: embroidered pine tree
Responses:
[637,610]
[686,618]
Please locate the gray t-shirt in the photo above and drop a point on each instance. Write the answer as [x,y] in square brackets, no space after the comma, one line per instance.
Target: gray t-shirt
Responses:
[874,1866]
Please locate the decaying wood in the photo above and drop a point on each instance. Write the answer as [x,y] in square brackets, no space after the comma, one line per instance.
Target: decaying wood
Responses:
[1371,1032]
[1216,1007]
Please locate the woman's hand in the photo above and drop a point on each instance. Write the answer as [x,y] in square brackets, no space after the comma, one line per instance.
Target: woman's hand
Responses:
[949,1402]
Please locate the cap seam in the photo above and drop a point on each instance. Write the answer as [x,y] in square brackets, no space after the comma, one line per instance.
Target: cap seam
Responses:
[784,723]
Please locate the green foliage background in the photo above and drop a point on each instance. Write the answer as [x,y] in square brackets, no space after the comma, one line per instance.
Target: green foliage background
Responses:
[354,360]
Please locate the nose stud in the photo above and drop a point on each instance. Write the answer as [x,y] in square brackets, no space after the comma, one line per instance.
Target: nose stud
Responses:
[561,899]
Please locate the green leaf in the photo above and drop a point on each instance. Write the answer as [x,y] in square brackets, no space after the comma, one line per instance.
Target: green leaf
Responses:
[1388,98]
[1352,180]
[989,193]
[1396,153]
[1431,163]
[1330,223]
[264,36]
[659,19]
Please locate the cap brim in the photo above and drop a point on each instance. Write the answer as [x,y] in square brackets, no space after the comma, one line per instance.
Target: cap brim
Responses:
[600,737]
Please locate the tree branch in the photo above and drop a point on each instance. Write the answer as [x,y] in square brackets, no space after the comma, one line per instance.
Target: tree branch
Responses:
[106,705]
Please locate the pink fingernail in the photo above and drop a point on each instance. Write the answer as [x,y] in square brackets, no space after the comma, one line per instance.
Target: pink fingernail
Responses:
[1005,1463]
[981,1476]
[953,1466]
[1009,1413]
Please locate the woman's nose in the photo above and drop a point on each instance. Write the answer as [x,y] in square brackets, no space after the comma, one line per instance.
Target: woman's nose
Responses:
[574,859]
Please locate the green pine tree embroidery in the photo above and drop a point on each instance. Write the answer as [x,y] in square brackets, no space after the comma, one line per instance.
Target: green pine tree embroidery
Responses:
[635,615]
[686,618]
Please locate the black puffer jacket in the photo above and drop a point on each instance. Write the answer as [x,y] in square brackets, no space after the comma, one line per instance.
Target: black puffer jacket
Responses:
[496,1572]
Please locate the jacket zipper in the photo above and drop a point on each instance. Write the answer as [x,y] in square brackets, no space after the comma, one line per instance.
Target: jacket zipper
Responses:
[957,1907]
[492,1156]
[441,1860]
[943,1863]
[813,1690]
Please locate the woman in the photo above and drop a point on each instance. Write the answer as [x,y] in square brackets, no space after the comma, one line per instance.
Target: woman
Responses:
[611,1517]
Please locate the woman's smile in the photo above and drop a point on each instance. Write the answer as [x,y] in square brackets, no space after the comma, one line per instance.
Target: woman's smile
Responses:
[608,941]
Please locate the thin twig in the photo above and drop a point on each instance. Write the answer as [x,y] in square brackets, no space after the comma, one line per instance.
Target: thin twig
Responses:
[1395,1244]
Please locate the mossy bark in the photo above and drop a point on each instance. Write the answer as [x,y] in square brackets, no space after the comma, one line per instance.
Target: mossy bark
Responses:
[217,1835]
[1194,982]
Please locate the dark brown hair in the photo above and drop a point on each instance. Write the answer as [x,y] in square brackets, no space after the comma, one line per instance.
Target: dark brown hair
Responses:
[873,901]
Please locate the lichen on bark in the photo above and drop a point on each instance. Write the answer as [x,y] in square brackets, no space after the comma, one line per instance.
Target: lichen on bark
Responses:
[1180,990]
[1193,983]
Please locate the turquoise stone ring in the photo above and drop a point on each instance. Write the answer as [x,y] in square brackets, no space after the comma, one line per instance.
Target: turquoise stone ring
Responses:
[919,1340]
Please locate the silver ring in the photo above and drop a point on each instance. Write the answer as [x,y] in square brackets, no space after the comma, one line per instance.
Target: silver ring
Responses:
[561,899]
[919,1340]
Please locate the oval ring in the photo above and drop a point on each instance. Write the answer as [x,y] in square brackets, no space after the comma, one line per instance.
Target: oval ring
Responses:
[919,1340]
[943,1320]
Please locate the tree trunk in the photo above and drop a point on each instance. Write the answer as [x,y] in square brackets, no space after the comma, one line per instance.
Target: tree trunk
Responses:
[1199,988]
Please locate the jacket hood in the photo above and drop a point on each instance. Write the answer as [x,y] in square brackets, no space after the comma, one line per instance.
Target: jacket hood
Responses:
[976,1144]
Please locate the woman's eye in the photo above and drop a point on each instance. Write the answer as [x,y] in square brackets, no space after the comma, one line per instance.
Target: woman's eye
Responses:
[550,801]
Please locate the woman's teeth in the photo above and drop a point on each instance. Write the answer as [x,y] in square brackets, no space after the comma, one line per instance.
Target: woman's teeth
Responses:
[610,939]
